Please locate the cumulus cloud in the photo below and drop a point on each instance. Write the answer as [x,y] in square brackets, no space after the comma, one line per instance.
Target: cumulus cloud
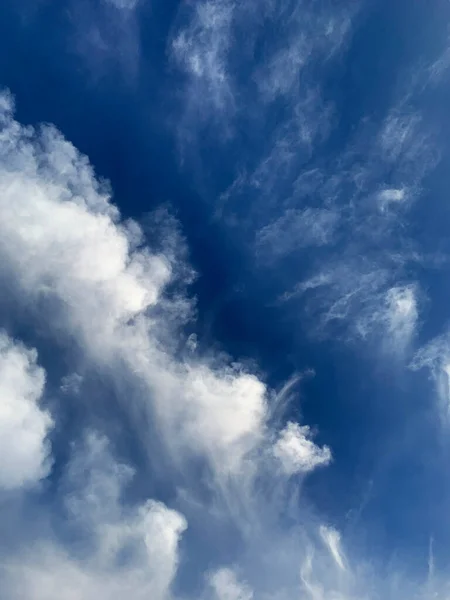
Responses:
[67,255]
[119,552]
[24,424]
[227,587]
[60,232]
[62,244]
[296,451]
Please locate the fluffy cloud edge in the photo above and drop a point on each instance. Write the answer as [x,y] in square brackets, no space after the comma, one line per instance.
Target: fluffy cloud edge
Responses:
[24,424]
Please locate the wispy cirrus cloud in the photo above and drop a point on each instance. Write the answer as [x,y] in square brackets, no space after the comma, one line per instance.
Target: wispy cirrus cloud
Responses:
[123,4]
[296,229]
[201,50]
[106,36]
[435,356]
[291,194]
[211,38]
[363,287]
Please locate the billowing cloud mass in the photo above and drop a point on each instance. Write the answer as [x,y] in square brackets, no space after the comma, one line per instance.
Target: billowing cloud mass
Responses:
[121,552]
[297,452]
[24,424]
[69,259]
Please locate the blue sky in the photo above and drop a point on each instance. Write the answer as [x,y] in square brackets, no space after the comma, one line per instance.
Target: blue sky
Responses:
[224,327]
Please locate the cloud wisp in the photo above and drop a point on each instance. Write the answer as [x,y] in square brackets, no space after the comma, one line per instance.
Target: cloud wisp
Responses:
[215,42]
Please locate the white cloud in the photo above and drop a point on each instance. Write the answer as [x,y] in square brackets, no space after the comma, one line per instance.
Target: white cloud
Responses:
[71,384]
[439,67]
[296,229]
[296,451]
[311,33]
[123,4]
[62,243]
[402,314]
[405,141]
[344,292]
[435,356]
[362,291]
[24,425]
[70,263]
[227,587]
[120,552]
[225,412]
[391,196]
[391,315]
[204,49]
[398,135]
[60,236]
[332,540]
[357,204]
[201,50]
[359,300]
